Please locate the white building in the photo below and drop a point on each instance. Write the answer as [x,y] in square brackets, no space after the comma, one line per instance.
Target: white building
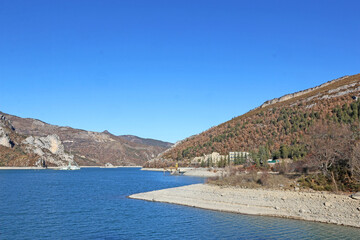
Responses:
[213,158]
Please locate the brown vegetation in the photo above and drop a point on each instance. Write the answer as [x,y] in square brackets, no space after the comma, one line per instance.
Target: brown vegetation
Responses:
[255,179]
[283,123]
[332,164]
[165,164]
[316,134]
[355,164]
[330,148]
[12,157]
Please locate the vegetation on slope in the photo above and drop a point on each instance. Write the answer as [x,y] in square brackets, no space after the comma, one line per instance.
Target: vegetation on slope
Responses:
[283,123]
[15,154]
[318,131]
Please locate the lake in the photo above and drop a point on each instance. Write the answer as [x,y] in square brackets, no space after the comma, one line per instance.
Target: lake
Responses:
[92,203]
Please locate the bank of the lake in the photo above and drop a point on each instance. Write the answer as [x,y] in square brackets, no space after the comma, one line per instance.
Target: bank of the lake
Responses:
[310,206]
[191,171]
[56,168]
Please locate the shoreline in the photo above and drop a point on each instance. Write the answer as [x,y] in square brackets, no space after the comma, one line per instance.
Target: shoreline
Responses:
[308,206]
[56,168]
[190,171]
[27,168]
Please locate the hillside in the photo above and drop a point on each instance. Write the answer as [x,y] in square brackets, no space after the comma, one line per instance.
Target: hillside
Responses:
[146,141]
[90,148]
[279,122]
[18,150]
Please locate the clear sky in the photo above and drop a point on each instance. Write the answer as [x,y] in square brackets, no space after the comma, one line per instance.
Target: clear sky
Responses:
[167,69]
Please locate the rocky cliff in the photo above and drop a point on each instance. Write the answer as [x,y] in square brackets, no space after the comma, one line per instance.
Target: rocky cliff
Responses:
[21,151]
[301,93]
[49,149]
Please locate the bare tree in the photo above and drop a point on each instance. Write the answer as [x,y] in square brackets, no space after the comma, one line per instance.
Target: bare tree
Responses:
[355,163]
[330,149]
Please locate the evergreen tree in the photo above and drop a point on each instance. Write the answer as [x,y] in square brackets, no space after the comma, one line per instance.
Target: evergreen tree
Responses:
[276,155]
[242,158]
[263,155]
[284,151]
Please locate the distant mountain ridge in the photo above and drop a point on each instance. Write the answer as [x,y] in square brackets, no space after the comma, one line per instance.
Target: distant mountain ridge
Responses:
[92,148]
[146,141]
[277,122]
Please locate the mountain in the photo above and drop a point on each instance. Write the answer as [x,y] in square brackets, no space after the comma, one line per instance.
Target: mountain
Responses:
[19,150]
[277,123]
[146,141]
[91,148]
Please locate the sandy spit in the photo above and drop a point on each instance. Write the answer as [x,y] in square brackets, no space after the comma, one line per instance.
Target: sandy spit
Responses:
[152,169]
[194,172]
[318,207]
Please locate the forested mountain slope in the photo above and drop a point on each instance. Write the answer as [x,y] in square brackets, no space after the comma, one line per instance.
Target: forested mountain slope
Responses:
[278,125]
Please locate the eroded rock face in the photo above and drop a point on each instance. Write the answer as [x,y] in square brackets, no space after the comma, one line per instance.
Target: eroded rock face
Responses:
[4,139]
[49,148]
[298,94]
[50,142]
[4,122]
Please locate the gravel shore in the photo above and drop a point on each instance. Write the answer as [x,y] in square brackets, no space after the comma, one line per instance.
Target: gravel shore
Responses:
[310,206]
[194,172]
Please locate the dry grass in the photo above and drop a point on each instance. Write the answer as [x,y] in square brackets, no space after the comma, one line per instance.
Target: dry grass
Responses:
[255,179]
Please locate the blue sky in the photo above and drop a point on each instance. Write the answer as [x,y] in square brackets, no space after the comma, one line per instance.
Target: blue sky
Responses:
[167,69]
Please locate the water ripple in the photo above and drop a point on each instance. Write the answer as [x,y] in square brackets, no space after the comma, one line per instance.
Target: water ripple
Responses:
[92,204]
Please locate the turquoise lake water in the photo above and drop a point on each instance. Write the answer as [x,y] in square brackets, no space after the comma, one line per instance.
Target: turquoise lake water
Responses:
[92,204]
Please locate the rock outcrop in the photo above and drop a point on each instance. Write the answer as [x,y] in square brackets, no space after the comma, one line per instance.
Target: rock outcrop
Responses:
[4,138]
[301,93]
[18,151]
[49,149]
[5,126]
